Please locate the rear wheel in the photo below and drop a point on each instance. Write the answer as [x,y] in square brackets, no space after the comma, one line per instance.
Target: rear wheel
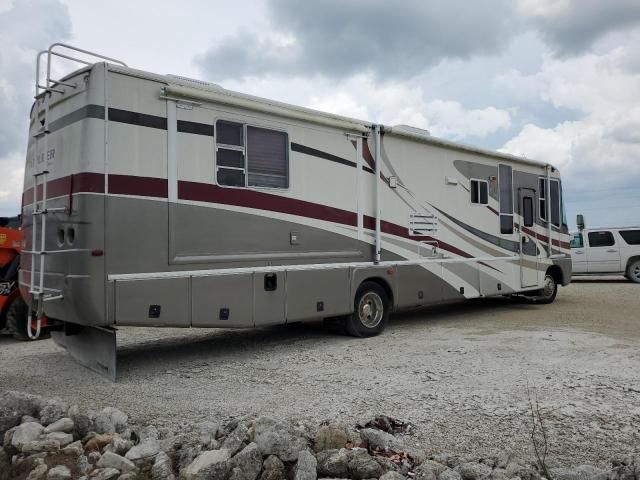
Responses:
[633,271]
[371,311]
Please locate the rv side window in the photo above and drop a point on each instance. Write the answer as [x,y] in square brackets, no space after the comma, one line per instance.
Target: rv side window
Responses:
[505,183]
[601,239]
[250,156]
[542,207]
[554,199]
[576,241]
[267,158]
[527,213]
[480,192]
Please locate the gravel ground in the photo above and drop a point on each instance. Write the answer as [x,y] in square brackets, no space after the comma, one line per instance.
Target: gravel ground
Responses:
[459,373]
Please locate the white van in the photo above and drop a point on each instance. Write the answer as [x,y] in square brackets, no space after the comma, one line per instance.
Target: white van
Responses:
[605,251]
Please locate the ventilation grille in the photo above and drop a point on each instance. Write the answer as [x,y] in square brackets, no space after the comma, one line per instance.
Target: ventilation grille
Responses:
[422,224]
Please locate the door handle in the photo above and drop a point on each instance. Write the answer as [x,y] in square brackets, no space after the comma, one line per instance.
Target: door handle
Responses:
[612,251]
[579,253]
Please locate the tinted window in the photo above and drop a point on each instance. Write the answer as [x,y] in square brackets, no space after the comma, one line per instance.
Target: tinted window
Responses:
[267,158]
[230,158]
[632,237]
[554,196]
[527,211]
[542,189]
[506,224]
[576,241]
[601,239]
[229,133]
[230,177]
[506,189]
[479,192]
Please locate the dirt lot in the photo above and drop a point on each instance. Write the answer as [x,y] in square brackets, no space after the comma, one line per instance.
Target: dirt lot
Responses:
[459,373]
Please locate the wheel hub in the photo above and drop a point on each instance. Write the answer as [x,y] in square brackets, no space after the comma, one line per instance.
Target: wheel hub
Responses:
[370,310]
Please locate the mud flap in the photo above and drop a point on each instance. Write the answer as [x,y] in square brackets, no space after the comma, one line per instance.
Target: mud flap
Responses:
[92,347]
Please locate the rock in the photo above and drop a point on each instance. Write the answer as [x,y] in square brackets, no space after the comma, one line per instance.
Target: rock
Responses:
[60,472]
[104,474]
[207,432]
[39,472]
[94,457]
[113,460]
[83,464]
[110,420]
[392,476]
[435,467]
[53,410]
[473,471]
[64,425]
[330,437]
[449,474]
[127,476]
[81,422]
[305,468]
[148,433]
[277,438]
[211,464]
[362,465]
[25,433]
[28,418]
[5,465]
[14,405]
[583,472]
[121,445]
[74,448]
[381,440]
[333,463]
[273,469]
[98,442]
[146,449]
[162,468]
[515,469]
[248,462]
[62,438]
[37,446]
[236,439]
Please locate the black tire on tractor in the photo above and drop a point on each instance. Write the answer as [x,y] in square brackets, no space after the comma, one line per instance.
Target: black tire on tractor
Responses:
[17,317]
[371,311]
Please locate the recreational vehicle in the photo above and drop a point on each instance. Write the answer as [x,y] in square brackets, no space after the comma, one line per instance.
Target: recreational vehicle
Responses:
[157,200]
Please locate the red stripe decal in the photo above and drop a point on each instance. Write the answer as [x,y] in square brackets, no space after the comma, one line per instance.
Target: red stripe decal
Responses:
[202,192]
[141,186]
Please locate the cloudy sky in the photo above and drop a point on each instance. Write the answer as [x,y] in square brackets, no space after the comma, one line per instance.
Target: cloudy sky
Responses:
[554,80]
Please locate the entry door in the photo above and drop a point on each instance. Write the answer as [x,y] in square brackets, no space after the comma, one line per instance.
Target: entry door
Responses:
[603,252]
[528,237]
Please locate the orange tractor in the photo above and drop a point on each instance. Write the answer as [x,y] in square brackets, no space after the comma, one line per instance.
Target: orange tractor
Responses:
[13,310]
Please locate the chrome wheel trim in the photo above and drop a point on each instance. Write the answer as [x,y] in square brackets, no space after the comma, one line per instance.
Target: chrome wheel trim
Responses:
[549,287]
[635,270]
[370,310]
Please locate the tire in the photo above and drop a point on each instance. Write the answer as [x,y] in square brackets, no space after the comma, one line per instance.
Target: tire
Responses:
[548,293]
[17,316]
[17,319]
[371,310]
[633,271]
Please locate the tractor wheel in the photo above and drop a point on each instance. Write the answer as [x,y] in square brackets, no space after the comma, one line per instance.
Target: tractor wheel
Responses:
[17,317]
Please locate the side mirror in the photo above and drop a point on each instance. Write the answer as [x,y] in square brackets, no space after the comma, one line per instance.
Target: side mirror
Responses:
[580,221]
[4,221]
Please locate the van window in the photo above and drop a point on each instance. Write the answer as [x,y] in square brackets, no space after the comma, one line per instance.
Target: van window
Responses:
[480,192]
[554,199]
[632,237]
[505,183]
[577,241]
[250,156]
[527,214]
[601,239]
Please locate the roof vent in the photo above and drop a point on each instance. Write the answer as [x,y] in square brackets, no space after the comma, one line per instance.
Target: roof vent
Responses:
[193,81]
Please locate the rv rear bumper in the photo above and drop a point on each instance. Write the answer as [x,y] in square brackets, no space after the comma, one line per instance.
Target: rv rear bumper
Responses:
[563,262]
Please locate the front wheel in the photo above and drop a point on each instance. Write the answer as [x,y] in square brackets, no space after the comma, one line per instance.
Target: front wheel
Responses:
[371,311]
[633,272]
[548,292]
